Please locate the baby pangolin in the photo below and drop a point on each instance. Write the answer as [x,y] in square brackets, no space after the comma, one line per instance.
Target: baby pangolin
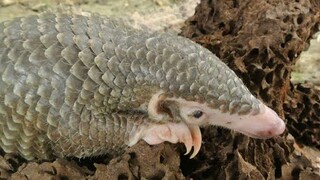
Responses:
[81,86]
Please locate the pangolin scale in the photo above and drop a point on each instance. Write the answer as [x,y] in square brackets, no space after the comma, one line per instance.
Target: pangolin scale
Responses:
[73,85]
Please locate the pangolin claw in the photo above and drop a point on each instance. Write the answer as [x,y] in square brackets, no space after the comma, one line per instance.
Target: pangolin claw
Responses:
[189,135]
[196,139]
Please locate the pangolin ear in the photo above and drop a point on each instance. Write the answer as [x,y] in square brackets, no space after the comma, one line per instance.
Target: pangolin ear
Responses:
[161,109]
[171,108]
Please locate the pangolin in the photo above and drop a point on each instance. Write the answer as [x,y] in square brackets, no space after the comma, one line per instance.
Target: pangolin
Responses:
[73,85]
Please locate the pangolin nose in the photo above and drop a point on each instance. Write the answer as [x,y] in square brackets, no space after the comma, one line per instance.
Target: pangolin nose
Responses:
[273,130]
[279,127]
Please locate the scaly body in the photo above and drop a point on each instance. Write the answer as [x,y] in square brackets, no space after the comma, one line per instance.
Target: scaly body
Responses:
[81,86]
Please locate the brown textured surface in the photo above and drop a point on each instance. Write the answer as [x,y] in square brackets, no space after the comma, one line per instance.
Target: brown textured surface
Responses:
[302,111]
[226,155]
[143,161]
[140,161]
[260,41]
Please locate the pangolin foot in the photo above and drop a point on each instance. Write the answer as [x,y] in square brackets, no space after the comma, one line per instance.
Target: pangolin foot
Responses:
[189,135]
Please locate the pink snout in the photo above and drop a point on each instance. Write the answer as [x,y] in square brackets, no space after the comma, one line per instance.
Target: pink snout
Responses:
[266,124]
[271,130]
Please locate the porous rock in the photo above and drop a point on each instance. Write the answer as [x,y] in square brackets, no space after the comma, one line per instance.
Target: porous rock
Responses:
[302,110]
[143,162]
[59,169]
[260,41]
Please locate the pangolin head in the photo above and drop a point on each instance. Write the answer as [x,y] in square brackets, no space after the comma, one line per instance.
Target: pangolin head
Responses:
[198,90]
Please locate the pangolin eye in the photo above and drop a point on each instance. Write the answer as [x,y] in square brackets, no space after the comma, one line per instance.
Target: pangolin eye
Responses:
[197,114]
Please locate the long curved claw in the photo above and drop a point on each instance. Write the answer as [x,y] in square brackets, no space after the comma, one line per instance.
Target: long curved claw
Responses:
[188,148]
[196,139]
[187,140]
[189,135]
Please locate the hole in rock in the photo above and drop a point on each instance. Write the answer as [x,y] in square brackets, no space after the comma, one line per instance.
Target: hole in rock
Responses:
[123,177]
